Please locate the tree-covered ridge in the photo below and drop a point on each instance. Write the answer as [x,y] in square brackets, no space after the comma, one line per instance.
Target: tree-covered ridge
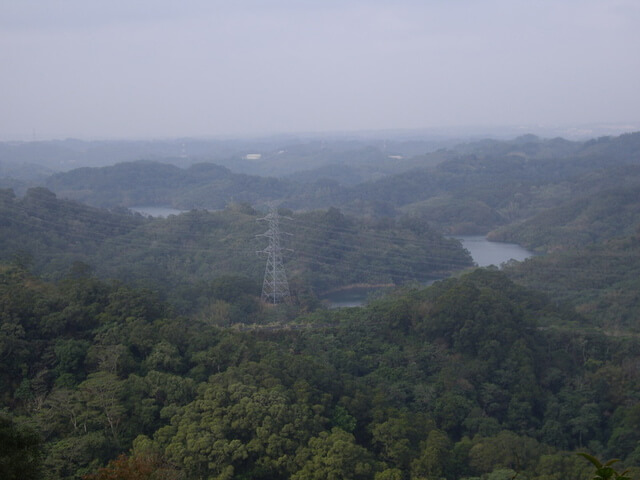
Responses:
[281,155]
[481,189]
[180,255]
[618,149]
[587,219]
[51,232]
[325,250]
[64,361]
[471,188]
[591,246]
[601,280]
[475,187]
[453,381]
[152,183]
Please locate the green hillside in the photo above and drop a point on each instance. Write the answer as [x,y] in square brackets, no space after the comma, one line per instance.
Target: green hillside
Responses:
[601,281]
[160,184]
[473,188]
[457,380]
[51,234]
[179,255]
[577,223]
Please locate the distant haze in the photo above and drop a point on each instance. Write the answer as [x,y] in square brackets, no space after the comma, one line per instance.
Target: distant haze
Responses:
[168,68]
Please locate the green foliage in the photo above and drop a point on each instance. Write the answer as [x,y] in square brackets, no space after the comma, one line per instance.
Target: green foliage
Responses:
[334,455]
[472,187]
[46,233]
[601,281]
[450,381]
[561,466]
[473,377]
[241,428]
[435,456]
[20,450]
[605,471]
[153,183]
[579,222]
[505,450]
[205,262]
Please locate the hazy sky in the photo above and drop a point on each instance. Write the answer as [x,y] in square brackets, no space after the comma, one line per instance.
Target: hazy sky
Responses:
[168,68]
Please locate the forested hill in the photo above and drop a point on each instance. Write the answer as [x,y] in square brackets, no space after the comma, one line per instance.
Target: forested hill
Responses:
[283,154]
[612,150]
[455,381]
[528,145]
[586,220]
[152,183]
[591,245]
[471,188]
[49,232]
[600,280]
[497,186]
[328,250]
[181,254]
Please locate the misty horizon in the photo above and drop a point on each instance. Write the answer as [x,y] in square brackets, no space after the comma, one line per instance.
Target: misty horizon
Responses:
[212,69]
[450,133]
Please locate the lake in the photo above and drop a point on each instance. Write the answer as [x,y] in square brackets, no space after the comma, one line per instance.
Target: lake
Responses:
[486,253]
[483,252]
[156,211]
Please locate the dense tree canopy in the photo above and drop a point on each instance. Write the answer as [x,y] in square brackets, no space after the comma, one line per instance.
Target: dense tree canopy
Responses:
[453,381]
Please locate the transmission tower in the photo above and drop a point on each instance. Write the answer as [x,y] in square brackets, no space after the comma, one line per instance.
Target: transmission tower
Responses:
[275,288]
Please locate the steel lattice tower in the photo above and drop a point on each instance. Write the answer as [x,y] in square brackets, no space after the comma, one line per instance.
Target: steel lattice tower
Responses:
[275,288]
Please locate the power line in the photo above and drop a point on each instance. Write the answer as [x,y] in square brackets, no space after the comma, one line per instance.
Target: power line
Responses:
[275,288]
[311,244]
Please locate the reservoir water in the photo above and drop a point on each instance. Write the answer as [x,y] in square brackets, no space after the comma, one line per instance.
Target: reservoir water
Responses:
[486,253]
[156,211]
[483,252]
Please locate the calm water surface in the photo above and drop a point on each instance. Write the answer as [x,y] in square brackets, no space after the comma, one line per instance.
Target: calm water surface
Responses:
[483,252]
[486,253]
[156,211]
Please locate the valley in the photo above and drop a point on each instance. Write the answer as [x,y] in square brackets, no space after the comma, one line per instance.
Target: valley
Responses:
[135,337]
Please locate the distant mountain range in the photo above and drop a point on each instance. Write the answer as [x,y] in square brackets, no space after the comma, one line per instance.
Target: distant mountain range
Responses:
[473,187]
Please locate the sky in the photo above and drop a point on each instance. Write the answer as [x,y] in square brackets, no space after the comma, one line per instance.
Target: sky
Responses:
[175,68]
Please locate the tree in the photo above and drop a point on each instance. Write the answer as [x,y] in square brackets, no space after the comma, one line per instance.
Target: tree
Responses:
[102,392]
[237,428]
[137,467]
[335,456]
[561,466]
[605,471]
[586,422]
[20,453]
[397,438]
[76,455]
[505,450]
[434,458]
